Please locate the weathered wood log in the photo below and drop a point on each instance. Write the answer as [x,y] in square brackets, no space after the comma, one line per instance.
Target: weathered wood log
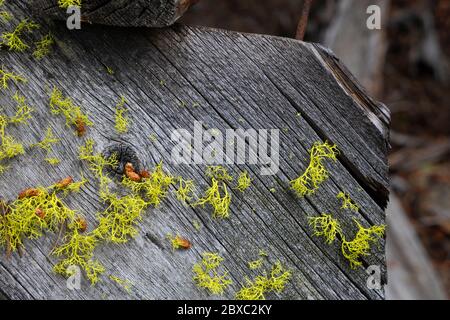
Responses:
[148,13]
[171,78]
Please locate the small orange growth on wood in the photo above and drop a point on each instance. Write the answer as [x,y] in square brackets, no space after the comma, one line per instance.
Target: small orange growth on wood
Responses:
[131,174]
[40,213]
[81,127]
[64,182]
[82,223]
[28,193]
[182,243]
[144,174]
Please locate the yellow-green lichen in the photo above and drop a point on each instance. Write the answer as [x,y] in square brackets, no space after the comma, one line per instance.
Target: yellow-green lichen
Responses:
[315,173]
[197,225]
[43,46]
[124,283]
[9,147]
[256,264]
[219,173]
[47,142]
[52,161]
[13,40]
[185,190]
[329,228]
[96,161]
[257,289]
[110,70]
[3,168]
[7,76]
[64,4]
[361,244]
[30,216]
[78,250]
[207,276]
[72,113]
[347,202]
[244,181]
[23,112]
[5,15]
[153,138]
[154,188]
[117,224]
[325,226]
[218,197]
[122,121]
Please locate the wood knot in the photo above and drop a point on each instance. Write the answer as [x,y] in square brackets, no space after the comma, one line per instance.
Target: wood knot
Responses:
[124,154]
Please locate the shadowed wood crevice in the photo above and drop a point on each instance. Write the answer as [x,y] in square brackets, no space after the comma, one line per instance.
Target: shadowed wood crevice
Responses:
[172,78]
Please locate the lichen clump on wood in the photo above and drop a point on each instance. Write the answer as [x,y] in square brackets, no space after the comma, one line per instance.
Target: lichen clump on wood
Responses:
[117,224]
[244,181]
[329,228]
[7,77]
[185,190]
[13,40]
[73,114]
[347,202]
[5,15]
[23,112]
[315,173]
[9,147]
[46,145]
[257,289]
[64,4]
[361,244]
[207,276]
[43,46]
[110,70]
[218,173]
[256,264]
[154,188]
[325,226]
[97,163]
[122,121]
[217,195]
[124,283]
[78,250]
[35,211]
[52,161]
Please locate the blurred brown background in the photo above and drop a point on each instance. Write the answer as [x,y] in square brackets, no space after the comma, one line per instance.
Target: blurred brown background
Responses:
[406,66]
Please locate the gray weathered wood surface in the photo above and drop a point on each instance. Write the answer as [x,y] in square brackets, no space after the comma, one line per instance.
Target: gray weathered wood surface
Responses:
[410,273]
[149,13]
[238,81]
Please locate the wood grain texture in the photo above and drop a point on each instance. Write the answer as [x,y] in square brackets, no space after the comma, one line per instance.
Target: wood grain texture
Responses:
[171,78]
[148,13]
